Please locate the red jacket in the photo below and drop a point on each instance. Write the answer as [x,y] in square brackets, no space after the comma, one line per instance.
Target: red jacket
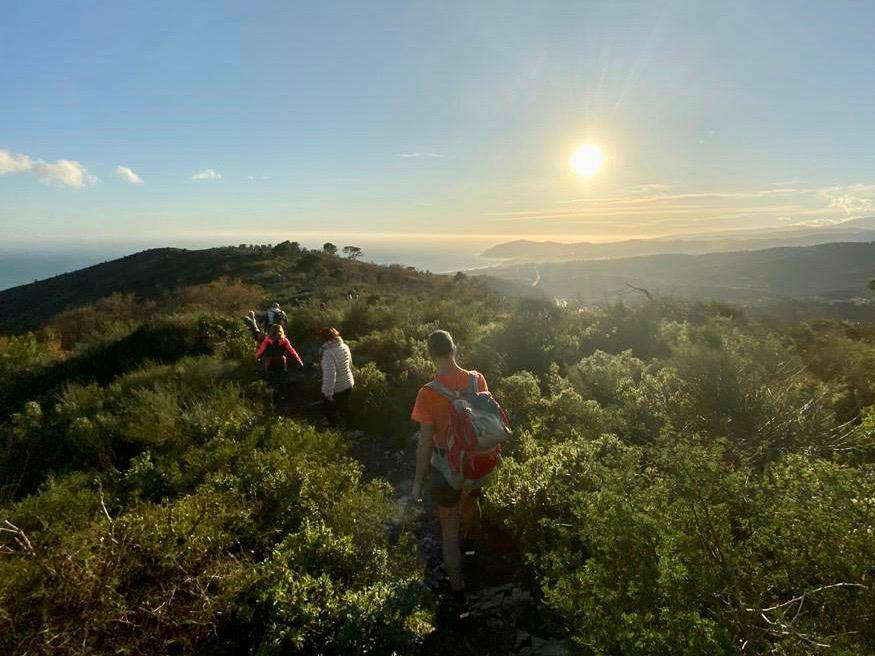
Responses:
[285,348]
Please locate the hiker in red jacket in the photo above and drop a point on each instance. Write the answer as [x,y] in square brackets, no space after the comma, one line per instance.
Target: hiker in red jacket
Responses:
[276,352]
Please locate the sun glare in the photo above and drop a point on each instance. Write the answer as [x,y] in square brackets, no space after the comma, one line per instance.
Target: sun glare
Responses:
[587,160]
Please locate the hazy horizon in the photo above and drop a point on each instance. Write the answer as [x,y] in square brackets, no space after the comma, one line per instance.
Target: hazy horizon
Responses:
[23,263]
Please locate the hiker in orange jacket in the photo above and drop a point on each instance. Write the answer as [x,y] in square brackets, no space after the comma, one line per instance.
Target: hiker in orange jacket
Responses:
[457,509]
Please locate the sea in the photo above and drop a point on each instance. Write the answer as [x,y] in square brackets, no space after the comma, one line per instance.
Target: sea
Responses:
[26,263]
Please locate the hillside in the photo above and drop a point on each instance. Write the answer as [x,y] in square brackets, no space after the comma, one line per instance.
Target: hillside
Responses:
[832,271]
[682,477]
[284,270]
[859,230]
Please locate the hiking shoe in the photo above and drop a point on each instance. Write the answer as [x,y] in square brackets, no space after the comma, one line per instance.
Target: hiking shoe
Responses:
[459,604]
[453,606]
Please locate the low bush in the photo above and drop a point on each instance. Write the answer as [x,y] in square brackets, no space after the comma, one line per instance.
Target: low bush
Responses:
[280,546]
[670,549]
[681,479]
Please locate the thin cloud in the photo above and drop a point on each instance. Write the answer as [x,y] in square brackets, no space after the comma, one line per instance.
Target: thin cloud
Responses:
[652,188]
[65,172]
[674,198]
[419,154]
[823,222]
[651,209]
[851,204]
[207,174]
[853,200]
[595,214]
[786,183]
[126,174]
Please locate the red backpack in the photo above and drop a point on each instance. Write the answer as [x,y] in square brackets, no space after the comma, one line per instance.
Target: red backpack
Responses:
[477,427]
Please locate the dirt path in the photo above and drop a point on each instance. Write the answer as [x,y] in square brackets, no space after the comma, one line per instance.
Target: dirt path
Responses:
[499,619]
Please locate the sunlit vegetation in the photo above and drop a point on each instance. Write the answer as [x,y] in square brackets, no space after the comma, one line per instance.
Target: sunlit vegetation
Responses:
[684,480]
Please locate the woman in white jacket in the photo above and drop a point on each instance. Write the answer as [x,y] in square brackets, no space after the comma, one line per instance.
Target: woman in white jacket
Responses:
[337,379]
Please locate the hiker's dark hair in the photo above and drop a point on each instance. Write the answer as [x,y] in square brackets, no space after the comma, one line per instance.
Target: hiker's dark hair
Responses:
[328,333]
[440,343]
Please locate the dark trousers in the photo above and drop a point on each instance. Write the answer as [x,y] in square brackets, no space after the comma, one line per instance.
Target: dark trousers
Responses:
[338,408]
[277,379]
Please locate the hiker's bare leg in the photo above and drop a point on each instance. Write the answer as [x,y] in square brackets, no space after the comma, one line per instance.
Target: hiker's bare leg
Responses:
[469,508]
[449,517]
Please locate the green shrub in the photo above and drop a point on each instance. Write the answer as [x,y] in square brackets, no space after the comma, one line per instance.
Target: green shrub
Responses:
[520,394]
[279,545]
[681,479]
[671,549]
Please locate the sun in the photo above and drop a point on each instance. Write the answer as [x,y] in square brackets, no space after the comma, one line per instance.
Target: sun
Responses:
[587,160]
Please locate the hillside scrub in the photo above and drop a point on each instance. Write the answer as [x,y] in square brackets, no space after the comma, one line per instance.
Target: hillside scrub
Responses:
[263,539]
[683,479]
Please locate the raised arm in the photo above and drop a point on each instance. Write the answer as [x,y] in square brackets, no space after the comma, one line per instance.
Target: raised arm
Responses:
[261,348]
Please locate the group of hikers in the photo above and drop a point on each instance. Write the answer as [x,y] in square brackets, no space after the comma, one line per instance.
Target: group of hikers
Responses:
[276,354]
[461,426]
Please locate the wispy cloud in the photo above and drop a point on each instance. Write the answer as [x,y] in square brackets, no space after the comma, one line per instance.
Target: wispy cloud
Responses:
[596,214]
[652,188]
[818,223]
[419,154]
[651,209]
[792,182]
[207,174]
[65,172]
[853,200]
[126,174]
[683,198]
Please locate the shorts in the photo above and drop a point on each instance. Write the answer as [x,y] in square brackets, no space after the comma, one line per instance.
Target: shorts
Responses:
[444,494]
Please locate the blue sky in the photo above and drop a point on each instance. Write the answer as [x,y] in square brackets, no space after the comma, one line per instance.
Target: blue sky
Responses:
[432,118]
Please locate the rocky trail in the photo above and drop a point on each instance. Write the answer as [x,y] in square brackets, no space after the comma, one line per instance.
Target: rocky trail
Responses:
[498,618]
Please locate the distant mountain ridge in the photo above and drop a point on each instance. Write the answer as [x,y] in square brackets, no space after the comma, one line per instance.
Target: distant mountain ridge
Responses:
[829,272]
[857,230]
[833,271]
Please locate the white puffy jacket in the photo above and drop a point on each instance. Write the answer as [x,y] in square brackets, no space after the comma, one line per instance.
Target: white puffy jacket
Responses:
[336,367]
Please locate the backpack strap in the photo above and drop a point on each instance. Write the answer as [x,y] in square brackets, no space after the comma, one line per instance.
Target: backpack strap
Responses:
[443,390]
[473,384]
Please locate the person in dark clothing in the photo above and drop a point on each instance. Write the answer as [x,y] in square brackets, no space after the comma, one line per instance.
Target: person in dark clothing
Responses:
[275,314]
[276,352]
